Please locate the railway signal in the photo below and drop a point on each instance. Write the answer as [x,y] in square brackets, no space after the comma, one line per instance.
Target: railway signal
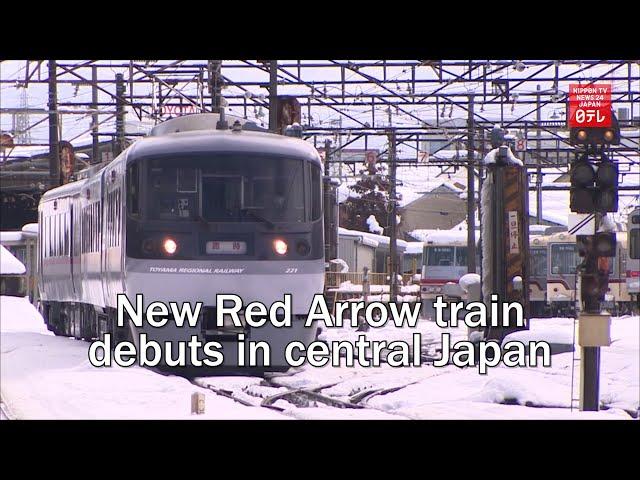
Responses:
[595,251]
[594,175]
[581,135]
[594,184]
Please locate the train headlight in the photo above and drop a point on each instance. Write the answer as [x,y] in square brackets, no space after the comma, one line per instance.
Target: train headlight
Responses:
[170,246]
[280,246]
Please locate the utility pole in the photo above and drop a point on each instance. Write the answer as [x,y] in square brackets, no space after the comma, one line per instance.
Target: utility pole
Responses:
[120,100]
[471,191]
[331,213]
[590,355]
[54,138]
[393,247]
[539,172]
[215,84]
[95,145]
[273,96]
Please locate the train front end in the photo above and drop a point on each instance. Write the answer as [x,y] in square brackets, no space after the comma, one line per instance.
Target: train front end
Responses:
[225,212]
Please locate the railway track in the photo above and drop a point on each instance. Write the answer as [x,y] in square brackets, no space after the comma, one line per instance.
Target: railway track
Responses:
[268,392]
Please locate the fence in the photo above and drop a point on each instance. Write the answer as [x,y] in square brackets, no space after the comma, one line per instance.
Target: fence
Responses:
[334,279]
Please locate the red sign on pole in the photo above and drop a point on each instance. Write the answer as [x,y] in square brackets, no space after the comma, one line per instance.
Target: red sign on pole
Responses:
[589,105]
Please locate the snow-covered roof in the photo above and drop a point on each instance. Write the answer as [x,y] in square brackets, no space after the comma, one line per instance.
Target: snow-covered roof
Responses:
[28,151]
[372,238]
[414,248]
[551,211]
[10,265]
[30,228]
[454,237]
[10,237]
[453,154]
[537,229]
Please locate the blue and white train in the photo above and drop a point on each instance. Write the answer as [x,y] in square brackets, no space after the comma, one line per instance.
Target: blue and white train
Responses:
[180,216]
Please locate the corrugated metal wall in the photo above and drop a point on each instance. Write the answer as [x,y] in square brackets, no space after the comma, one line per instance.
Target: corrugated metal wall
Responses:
[365,257]
[347,251]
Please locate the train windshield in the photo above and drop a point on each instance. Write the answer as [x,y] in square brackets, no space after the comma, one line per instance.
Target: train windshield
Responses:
[538,260]
[564,259]
[634,243]
[231,188]
[440,256]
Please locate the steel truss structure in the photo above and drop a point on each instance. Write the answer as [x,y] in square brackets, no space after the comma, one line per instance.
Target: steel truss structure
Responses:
[351,103]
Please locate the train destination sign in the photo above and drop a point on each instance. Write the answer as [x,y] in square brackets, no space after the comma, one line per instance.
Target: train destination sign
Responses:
[230,248]
[589,105]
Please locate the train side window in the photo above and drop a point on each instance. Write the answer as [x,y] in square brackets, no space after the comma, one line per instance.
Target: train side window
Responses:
[51,225]
[65,236]
[93,228]
[108,220]
[83,230]
[57,237]
[634,244]
[89,228]
[56,234]
[118,217]
[86,229]
[564,259]
[65,233]
[133,188]
[99,217]
[461,256]
[316,196]
[45,236]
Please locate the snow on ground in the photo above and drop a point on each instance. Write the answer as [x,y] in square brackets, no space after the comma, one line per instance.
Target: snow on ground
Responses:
[44,376]
[49,377]
[508,393]
[349,287]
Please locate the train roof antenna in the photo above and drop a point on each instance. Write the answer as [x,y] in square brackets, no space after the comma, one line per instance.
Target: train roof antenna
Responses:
[222,122]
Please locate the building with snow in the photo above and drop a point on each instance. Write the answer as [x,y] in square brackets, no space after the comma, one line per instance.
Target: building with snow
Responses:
[439,208]
[365,249]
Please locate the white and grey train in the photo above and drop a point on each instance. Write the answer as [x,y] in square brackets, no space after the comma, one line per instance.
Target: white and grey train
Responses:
[184,214]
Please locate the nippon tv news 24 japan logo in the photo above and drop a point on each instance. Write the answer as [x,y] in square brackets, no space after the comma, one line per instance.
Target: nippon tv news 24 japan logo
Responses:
[589,105]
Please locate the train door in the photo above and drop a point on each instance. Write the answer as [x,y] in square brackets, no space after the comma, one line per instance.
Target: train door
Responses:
[104,238]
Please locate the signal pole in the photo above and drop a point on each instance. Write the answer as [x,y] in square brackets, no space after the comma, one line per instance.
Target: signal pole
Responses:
[95,120]
[590,364]
[471,193]
[54,138]
[593,325]
[215,84]
[393,247]
[331,212]
[120,112]
[273,96]
[594,191]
